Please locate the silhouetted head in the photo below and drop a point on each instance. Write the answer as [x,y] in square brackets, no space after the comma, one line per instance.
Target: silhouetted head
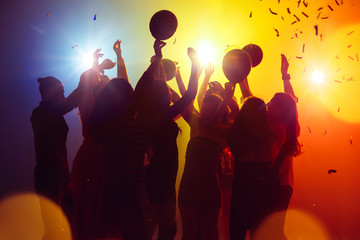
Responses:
[282,110]
[113,100]
[209,106]
[51,89]
[253,114]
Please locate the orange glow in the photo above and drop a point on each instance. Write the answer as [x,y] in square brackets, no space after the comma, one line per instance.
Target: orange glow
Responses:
[22,218]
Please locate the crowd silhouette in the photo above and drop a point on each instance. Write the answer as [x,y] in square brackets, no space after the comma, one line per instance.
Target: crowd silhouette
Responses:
[122,182]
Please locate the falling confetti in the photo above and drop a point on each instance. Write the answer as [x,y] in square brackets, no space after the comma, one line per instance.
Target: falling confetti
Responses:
[282,18]
[48,14]
[331,171]
[357,57]
[325,132]
[305,14]
[305,3]
[299,2]
[288,9]
[338,81]
[349,46]
[337,57]
[342,2]
[320,8]
[174,41]
[337,3]
[95,17]
[351,79]
[338,70]
[321,37]
[309,129]
[324,17]
[277,32]
[274,13]
[299,57]
[351,58]
[350,33]
[316,29]
[330,8]
[74,46]
[298,19]
[293,22]
[296,35]
[351,141]
[303,49]
[318,15]
[338,110]
[250,14]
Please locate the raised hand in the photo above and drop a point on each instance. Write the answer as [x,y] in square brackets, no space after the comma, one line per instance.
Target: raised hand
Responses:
[107,64]
[209,70]
[96,56]
[117,48]
[284,65]
[228,91]
[158,45]
[216,86]
[193,55]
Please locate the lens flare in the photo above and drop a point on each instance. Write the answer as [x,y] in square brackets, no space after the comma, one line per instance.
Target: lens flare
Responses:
[318,77]
[87,60]
[206,53]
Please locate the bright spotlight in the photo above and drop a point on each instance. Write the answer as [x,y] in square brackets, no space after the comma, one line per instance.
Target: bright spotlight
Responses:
[318,77]
[87,60]
[206,53]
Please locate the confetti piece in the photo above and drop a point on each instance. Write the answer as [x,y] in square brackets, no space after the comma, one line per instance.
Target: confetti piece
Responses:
[296,35]
[48,14]
[337,3]
[303,50]
[330,8]
[331,171]
[174,41]
[301,32]
[325,132]
[309,129]
[299,2]
[282,18]
[305,14]
[342,2]
[338,110]
[350,33]
[299,57]
[324,17]
[357,57]
[321,37]
[74,46]
[316,29]
[351,141]
[292,37]
[293,22]
[95,17]
[338,70]
[351,58]
[250,14]
[274,13]
[278,1]
[351,79]
[349,46]
[277,32]
[288,9]
[337,57]
[305,3]
[304,69]
[318,15]
[337,81]
[298,19]
[320,8]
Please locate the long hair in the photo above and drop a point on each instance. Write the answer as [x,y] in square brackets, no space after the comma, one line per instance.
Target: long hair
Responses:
[251,128]
[289,117]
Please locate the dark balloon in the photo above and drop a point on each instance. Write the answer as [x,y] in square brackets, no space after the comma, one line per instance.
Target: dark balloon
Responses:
[255,54]
[163,25]
[170,68]
[236,65]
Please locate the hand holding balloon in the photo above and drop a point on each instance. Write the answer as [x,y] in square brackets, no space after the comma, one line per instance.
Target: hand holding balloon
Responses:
[158,45]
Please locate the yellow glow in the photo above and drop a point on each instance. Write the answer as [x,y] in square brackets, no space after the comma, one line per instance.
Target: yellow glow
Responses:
[21,217]
[298,225]
[206,52]
[87,60]
[318,77]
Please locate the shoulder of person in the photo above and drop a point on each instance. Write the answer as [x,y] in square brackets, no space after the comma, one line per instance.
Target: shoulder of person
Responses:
[280,133]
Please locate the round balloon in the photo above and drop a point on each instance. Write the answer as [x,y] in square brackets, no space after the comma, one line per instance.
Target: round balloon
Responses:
[169,67]
[255,53]
[163,25]
[236,65]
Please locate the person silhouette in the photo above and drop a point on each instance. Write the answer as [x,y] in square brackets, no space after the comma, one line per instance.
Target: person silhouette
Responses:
[51,174]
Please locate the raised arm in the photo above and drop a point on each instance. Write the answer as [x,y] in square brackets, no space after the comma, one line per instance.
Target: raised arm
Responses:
[286,77]
[121,68]
[191,91]
[227,96]
[180,82]
[209,70]
[245,89]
